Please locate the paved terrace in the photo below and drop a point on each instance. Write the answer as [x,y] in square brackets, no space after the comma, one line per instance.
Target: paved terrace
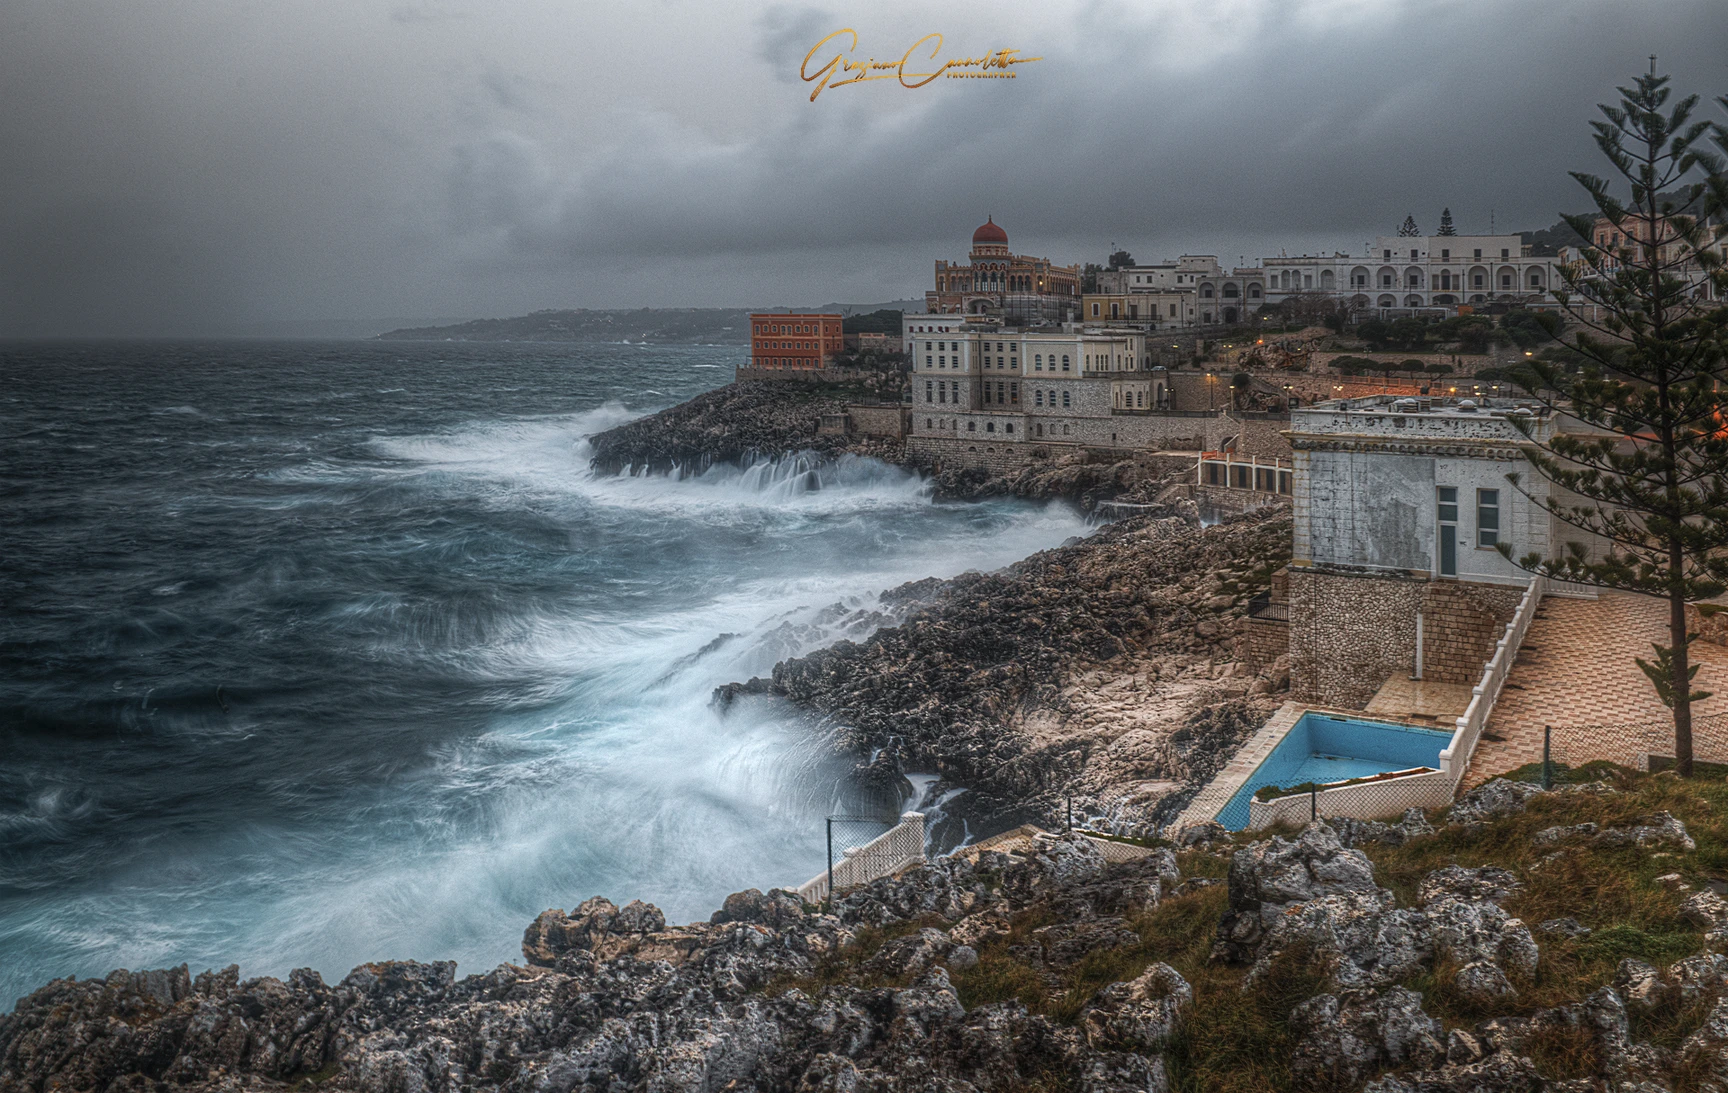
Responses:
[1576,670]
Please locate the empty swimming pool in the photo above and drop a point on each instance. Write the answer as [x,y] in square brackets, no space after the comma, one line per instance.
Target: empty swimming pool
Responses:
[1328,748]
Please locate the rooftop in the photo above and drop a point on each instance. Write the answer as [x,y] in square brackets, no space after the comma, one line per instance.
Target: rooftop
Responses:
[1455,406]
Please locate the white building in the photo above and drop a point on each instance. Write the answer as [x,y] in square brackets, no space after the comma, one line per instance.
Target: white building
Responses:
[1018,385]
[1194,290]
[1404,519]
[1405,273]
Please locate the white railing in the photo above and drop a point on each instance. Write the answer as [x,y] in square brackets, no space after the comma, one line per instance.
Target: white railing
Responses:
[893,850]
[1455,760]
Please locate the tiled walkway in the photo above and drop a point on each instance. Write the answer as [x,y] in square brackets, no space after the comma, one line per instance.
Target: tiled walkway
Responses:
[1576,670]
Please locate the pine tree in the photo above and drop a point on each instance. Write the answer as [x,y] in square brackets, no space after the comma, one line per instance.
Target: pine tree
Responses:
[1652,482]
[1409,227]
[1446,227]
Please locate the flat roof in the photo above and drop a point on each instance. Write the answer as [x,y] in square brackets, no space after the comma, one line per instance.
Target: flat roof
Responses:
[1461,406]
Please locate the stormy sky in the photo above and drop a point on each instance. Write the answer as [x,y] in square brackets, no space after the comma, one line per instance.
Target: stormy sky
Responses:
[208,166]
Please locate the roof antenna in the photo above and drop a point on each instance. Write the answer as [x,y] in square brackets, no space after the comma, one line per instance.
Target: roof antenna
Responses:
[1490,221]
[1652,64]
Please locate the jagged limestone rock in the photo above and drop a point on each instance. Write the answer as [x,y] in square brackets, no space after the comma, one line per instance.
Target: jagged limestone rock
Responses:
[1344,1039]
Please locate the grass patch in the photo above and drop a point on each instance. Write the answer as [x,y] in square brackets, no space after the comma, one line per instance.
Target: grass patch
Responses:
[1233,1040]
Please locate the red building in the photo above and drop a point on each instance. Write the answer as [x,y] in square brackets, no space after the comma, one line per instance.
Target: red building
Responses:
[794,340]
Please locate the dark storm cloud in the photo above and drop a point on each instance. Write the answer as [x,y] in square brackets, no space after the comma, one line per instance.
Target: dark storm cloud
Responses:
[440,158]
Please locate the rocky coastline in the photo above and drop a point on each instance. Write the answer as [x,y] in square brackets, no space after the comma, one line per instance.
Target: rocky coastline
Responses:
[752,420]
[1523,942]
[1101,677]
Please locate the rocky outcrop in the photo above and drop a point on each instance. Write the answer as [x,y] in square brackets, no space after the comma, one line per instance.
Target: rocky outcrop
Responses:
[1103,671]
[735,423]
[1313,896]
[1491,800]
[613,998]
[1345,1039]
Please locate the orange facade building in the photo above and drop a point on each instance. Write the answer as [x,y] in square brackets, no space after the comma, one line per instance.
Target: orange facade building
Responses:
[805,340]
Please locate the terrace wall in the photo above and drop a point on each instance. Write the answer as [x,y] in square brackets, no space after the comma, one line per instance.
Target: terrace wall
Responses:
[1349,633]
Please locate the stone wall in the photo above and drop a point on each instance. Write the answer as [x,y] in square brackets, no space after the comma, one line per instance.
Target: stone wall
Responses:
[996,456]
[1461,623]
[1261,436]
[806,375]
[888,421]
[1349,634]
[1263,641]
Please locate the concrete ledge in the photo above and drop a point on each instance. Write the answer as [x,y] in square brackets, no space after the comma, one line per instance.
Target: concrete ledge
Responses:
[1210,801]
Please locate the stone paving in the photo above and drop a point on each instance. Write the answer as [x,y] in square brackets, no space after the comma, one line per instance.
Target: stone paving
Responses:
[1420,701]
[1576,671]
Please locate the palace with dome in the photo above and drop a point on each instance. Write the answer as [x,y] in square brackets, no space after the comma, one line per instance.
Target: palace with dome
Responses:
[997,282]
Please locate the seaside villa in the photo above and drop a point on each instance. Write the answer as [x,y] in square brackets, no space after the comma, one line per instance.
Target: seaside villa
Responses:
[1400,613]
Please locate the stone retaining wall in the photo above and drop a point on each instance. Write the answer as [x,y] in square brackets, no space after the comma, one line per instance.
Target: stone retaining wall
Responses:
[1349,634]
[1263,641]
[887,421]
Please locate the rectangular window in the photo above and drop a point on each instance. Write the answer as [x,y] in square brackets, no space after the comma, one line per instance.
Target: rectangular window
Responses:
[1014,394]
[929,391]
[941,362]
[1284,482]
[1487,517]
[1065,362]
[1447,511]
[928,361]
[1038,398]
[1478,252]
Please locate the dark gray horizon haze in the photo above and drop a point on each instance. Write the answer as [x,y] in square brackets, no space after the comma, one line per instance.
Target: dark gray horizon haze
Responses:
[205,167]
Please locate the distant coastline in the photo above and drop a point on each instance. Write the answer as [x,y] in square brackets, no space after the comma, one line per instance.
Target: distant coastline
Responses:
[646,325]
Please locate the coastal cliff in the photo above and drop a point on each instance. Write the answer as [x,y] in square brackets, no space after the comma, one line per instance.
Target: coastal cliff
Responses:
[1102,673]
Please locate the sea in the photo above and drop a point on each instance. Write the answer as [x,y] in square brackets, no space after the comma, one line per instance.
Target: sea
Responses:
[319,653]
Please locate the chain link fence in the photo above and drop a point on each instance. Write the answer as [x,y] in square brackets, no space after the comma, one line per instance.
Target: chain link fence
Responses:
[1379,797]
[862,848]
[1644,745]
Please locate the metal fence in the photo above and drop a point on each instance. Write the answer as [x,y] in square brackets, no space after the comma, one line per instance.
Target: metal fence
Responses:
[1644,745]
[859,850]
[1260,606]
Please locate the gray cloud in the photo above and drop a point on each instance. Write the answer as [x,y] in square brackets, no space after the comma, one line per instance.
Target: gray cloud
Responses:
[225,166]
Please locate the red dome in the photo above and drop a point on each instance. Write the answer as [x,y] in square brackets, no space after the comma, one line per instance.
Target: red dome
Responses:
[988,232]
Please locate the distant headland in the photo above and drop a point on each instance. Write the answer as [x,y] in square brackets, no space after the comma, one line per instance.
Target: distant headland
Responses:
[648,325]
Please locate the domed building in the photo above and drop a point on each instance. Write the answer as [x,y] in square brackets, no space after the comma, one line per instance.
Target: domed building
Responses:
[995,281]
